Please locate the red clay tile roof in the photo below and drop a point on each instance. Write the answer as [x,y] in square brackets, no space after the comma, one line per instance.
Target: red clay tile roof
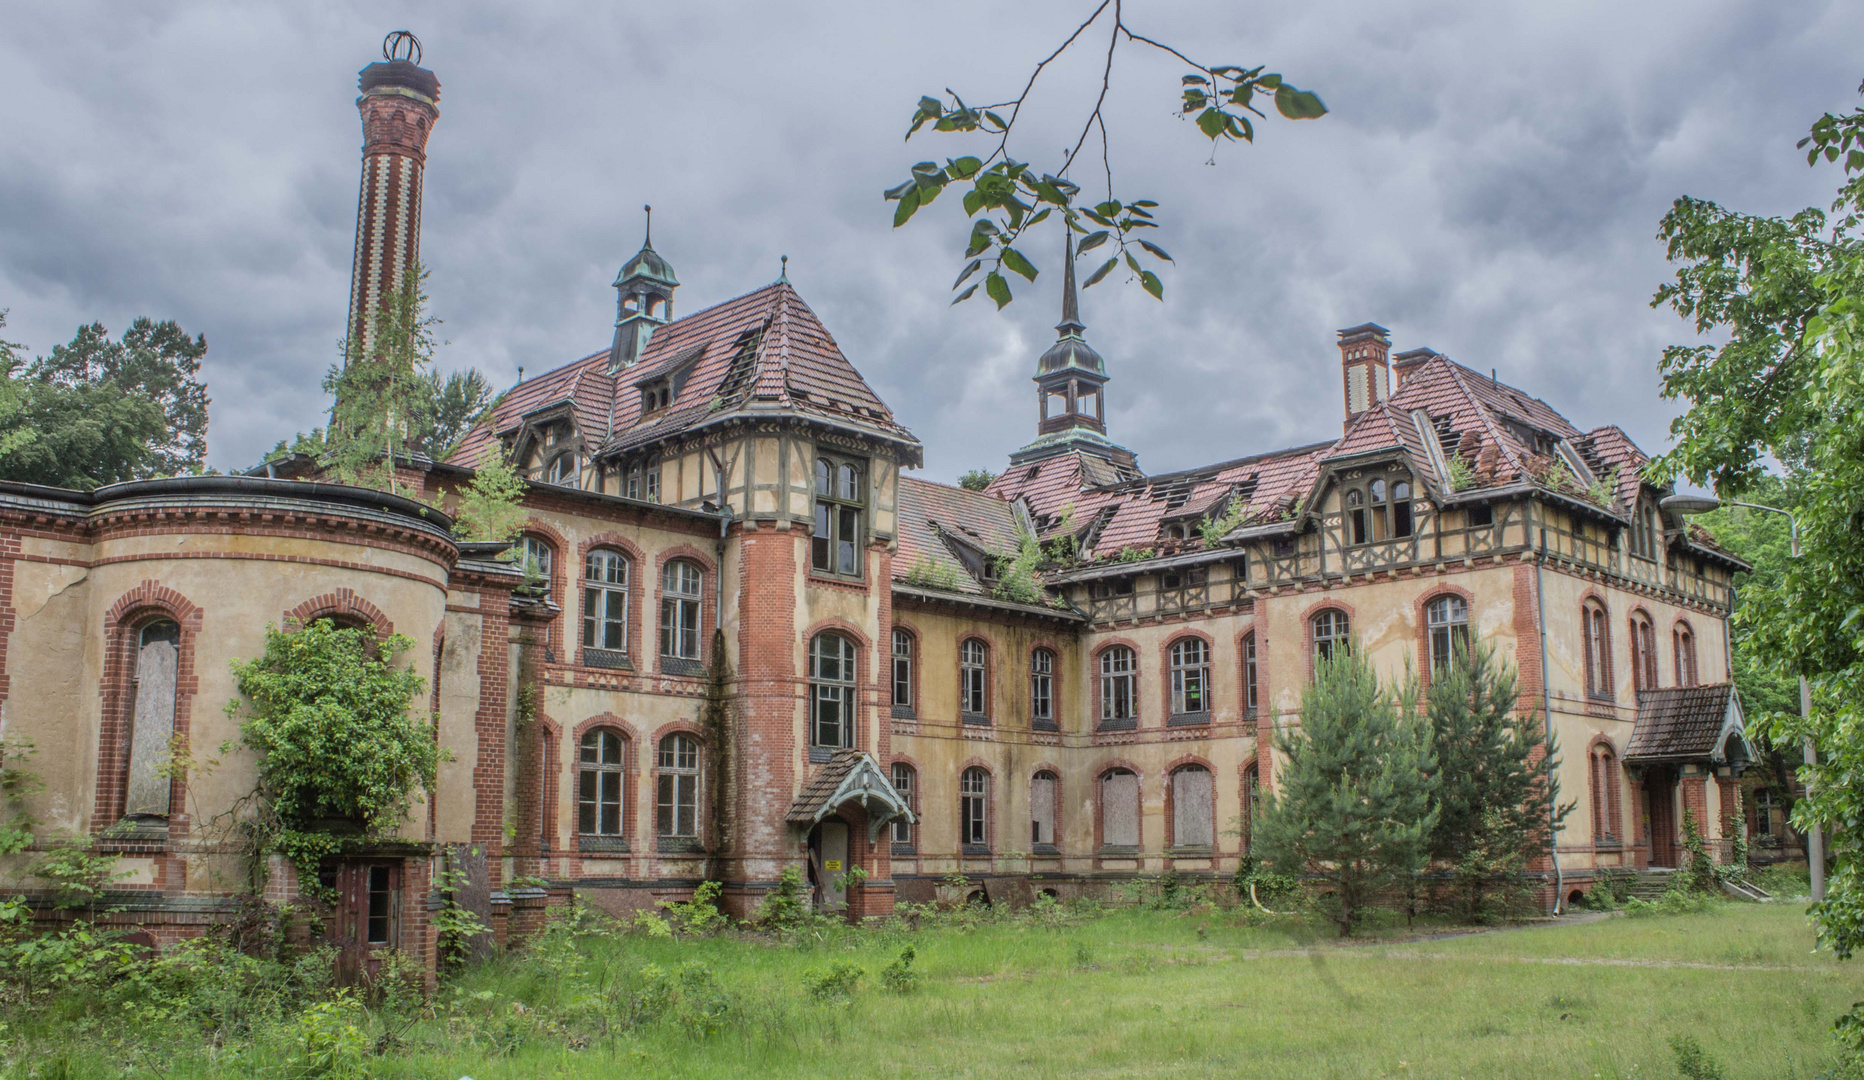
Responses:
[1684,723]
[927,510]
[760,351]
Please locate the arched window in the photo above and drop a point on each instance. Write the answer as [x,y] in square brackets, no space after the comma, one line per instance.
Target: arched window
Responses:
[1332,634]
[1190,677]
[1252,793]
[1643,652]
[903,670]
[1042,689]
[678,804]
[974,681]
[831,691]
[1596,626]
[1604,779]
[1447,618]
[538,560]
[1683,640]
[1119,810]
[974,810]
[1356,516]
[906,782]
[605,601]
[601,780]
[1119,688]
[1381,523]
[1192,813]
[152,725]
[1044,810]
[681,584]
[1250,676]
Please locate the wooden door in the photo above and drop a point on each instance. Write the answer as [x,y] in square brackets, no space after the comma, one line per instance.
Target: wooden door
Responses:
[1660,808]
[368,918]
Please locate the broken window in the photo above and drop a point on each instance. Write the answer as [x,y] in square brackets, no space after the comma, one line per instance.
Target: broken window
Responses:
[1043,789]
[1332,634]
[1683,640]
[563,470]
[840,499]
[1119,686]
[1448,621]
[1042,687]
[1190,677]
[1643,652]
[905,781]
[539,559]
[973,678]
[152,726]
[831,691]
[974,808]
[1597,628]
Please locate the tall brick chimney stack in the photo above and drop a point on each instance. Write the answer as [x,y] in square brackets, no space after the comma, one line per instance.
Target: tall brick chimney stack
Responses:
[399,105]
[1365,362]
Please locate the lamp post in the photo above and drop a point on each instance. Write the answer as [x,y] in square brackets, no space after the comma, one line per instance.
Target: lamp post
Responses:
[1687,505]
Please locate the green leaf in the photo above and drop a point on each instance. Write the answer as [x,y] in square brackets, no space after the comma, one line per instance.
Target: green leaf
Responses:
[1040,214]
[909,205]
[1105,269]
[1132,262]
[1210,122]
[1144,204]
[1092,241]
[1195,80]
[1013,259]
[997,289]
[1098,218]
[963,168]
[1241,128]
[931,106]
[997,120]
[1150,281]
[1299,104]
[968,271]
[1270,82]
[929,175]
[1110,208]
[963,296]
[900,192]
[1156,250]
[973,202]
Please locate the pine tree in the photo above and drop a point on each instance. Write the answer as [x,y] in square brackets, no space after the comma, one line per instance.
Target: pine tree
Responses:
[1497,790]
[1352,804]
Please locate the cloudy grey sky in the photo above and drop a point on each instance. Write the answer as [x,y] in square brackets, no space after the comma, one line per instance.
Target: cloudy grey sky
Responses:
[1488,184]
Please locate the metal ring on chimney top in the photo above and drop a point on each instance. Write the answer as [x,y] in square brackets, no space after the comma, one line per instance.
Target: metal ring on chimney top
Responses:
[402,45]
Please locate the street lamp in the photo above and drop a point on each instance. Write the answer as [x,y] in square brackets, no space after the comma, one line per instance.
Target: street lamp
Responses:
[1686,505]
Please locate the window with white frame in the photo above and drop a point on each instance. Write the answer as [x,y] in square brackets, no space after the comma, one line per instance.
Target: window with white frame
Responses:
[1042,688]
[1119,686]
[680,585]
[906,782]
[538,559]
[605,600]
[974,807]
[831,691]
[601,778]
[1332,634]
[973,678]
[1447,619]
[678,803]
[1190,677]
[840,499]
[902,670]
[1250,676]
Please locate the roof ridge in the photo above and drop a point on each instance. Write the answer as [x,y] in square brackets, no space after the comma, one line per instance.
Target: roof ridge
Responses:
[1482,410]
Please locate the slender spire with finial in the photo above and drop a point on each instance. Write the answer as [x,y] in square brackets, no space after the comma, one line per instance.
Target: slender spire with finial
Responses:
[649,240]
[1070,306]
[784,277]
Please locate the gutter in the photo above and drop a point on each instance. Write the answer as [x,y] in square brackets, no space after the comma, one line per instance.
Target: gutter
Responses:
[1546,717]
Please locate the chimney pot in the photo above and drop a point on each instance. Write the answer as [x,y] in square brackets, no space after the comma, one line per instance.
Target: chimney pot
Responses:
[1365,367]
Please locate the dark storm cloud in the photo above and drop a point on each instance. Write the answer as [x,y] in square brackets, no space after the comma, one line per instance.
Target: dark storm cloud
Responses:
[1489,184]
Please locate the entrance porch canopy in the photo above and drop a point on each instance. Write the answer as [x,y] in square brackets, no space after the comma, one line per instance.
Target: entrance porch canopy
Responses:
[850,776]
[1690,724]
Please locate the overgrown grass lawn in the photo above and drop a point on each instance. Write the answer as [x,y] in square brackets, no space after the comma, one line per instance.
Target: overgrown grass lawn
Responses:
[1155,994]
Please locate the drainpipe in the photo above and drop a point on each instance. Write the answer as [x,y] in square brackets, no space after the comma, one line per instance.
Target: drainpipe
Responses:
[1546,716]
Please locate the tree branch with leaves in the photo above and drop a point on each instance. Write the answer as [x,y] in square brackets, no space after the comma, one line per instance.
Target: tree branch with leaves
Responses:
[1005,197]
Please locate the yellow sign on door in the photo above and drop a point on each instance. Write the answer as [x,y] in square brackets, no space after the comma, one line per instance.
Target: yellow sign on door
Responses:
[832,864]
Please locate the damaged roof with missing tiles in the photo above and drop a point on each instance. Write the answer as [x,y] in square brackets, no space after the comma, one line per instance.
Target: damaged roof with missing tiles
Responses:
[1460,431]
[935,517]
[763,352]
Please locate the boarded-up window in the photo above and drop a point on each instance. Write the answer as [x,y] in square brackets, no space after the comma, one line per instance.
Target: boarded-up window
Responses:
[152,726]
[1119,809]
[1042,808]
[1190,807]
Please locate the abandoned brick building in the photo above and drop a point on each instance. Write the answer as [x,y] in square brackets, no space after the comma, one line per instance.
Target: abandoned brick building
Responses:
[758,644]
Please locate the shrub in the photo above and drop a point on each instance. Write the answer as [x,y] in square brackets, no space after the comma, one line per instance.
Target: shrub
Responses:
[899,976]
[836,982]
[785,907]
[1692,1061]
[329,1042]
[1678,899]
[698,917]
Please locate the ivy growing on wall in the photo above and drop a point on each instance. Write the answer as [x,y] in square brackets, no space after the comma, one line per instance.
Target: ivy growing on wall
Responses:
[327,710]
